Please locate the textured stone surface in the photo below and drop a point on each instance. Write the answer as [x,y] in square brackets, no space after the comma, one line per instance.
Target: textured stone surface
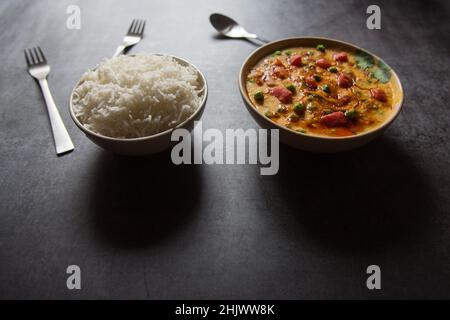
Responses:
[144,228]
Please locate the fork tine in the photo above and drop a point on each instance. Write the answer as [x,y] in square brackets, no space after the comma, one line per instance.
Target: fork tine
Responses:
[27,58]
[136,26]
[141,30]
[141,24]
[30,54]
[44,60]
[132,26]
[36,54]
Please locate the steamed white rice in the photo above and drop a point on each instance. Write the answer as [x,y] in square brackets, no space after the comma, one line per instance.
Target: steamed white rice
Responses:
[136,96]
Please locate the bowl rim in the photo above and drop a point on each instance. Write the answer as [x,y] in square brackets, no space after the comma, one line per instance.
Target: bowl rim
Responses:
[100,136]
[248,102]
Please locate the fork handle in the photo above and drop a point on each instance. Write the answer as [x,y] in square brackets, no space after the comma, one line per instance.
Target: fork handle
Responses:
[119,50]
[63,143]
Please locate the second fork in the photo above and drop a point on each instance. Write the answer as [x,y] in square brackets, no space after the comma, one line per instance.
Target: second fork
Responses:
[134,35]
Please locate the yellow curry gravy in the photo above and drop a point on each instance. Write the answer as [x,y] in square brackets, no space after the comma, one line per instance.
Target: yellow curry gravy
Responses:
[321,91]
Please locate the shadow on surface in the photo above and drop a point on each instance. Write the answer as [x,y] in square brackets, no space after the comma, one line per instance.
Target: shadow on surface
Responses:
[365,199]
[139,201]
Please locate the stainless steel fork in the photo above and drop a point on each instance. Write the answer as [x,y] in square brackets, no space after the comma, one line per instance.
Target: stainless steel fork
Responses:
[133,36]
[39,69]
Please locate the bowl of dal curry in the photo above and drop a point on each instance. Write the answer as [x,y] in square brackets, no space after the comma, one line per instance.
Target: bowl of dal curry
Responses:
[323,95]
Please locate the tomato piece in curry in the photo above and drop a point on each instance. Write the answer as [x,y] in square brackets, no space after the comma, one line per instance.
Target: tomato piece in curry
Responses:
[320,91]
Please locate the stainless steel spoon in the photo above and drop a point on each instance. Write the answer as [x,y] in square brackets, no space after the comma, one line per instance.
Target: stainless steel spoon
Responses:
[230,28]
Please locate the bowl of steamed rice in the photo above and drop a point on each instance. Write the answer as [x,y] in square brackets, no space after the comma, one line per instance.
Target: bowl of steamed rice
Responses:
[130,104]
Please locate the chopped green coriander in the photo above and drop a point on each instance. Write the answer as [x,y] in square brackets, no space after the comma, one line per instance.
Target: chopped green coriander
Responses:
[326,88]
[288,52]
[299,108]
[333,69]
[321,47]
[317,78]
[327,111]
[259,96]
[277,53]
[291,87]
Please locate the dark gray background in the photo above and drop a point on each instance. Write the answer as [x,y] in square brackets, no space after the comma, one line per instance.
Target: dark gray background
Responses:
[144,228]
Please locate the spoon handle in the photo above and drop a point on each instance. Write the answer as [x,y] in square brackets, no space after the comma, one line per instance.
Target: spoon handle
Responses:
[256,37]
[262,40]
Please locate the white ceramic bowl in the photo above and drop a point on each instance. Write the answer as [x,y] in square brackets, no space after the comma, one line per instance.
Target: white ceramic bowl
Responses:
[151,144]
[312,142]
